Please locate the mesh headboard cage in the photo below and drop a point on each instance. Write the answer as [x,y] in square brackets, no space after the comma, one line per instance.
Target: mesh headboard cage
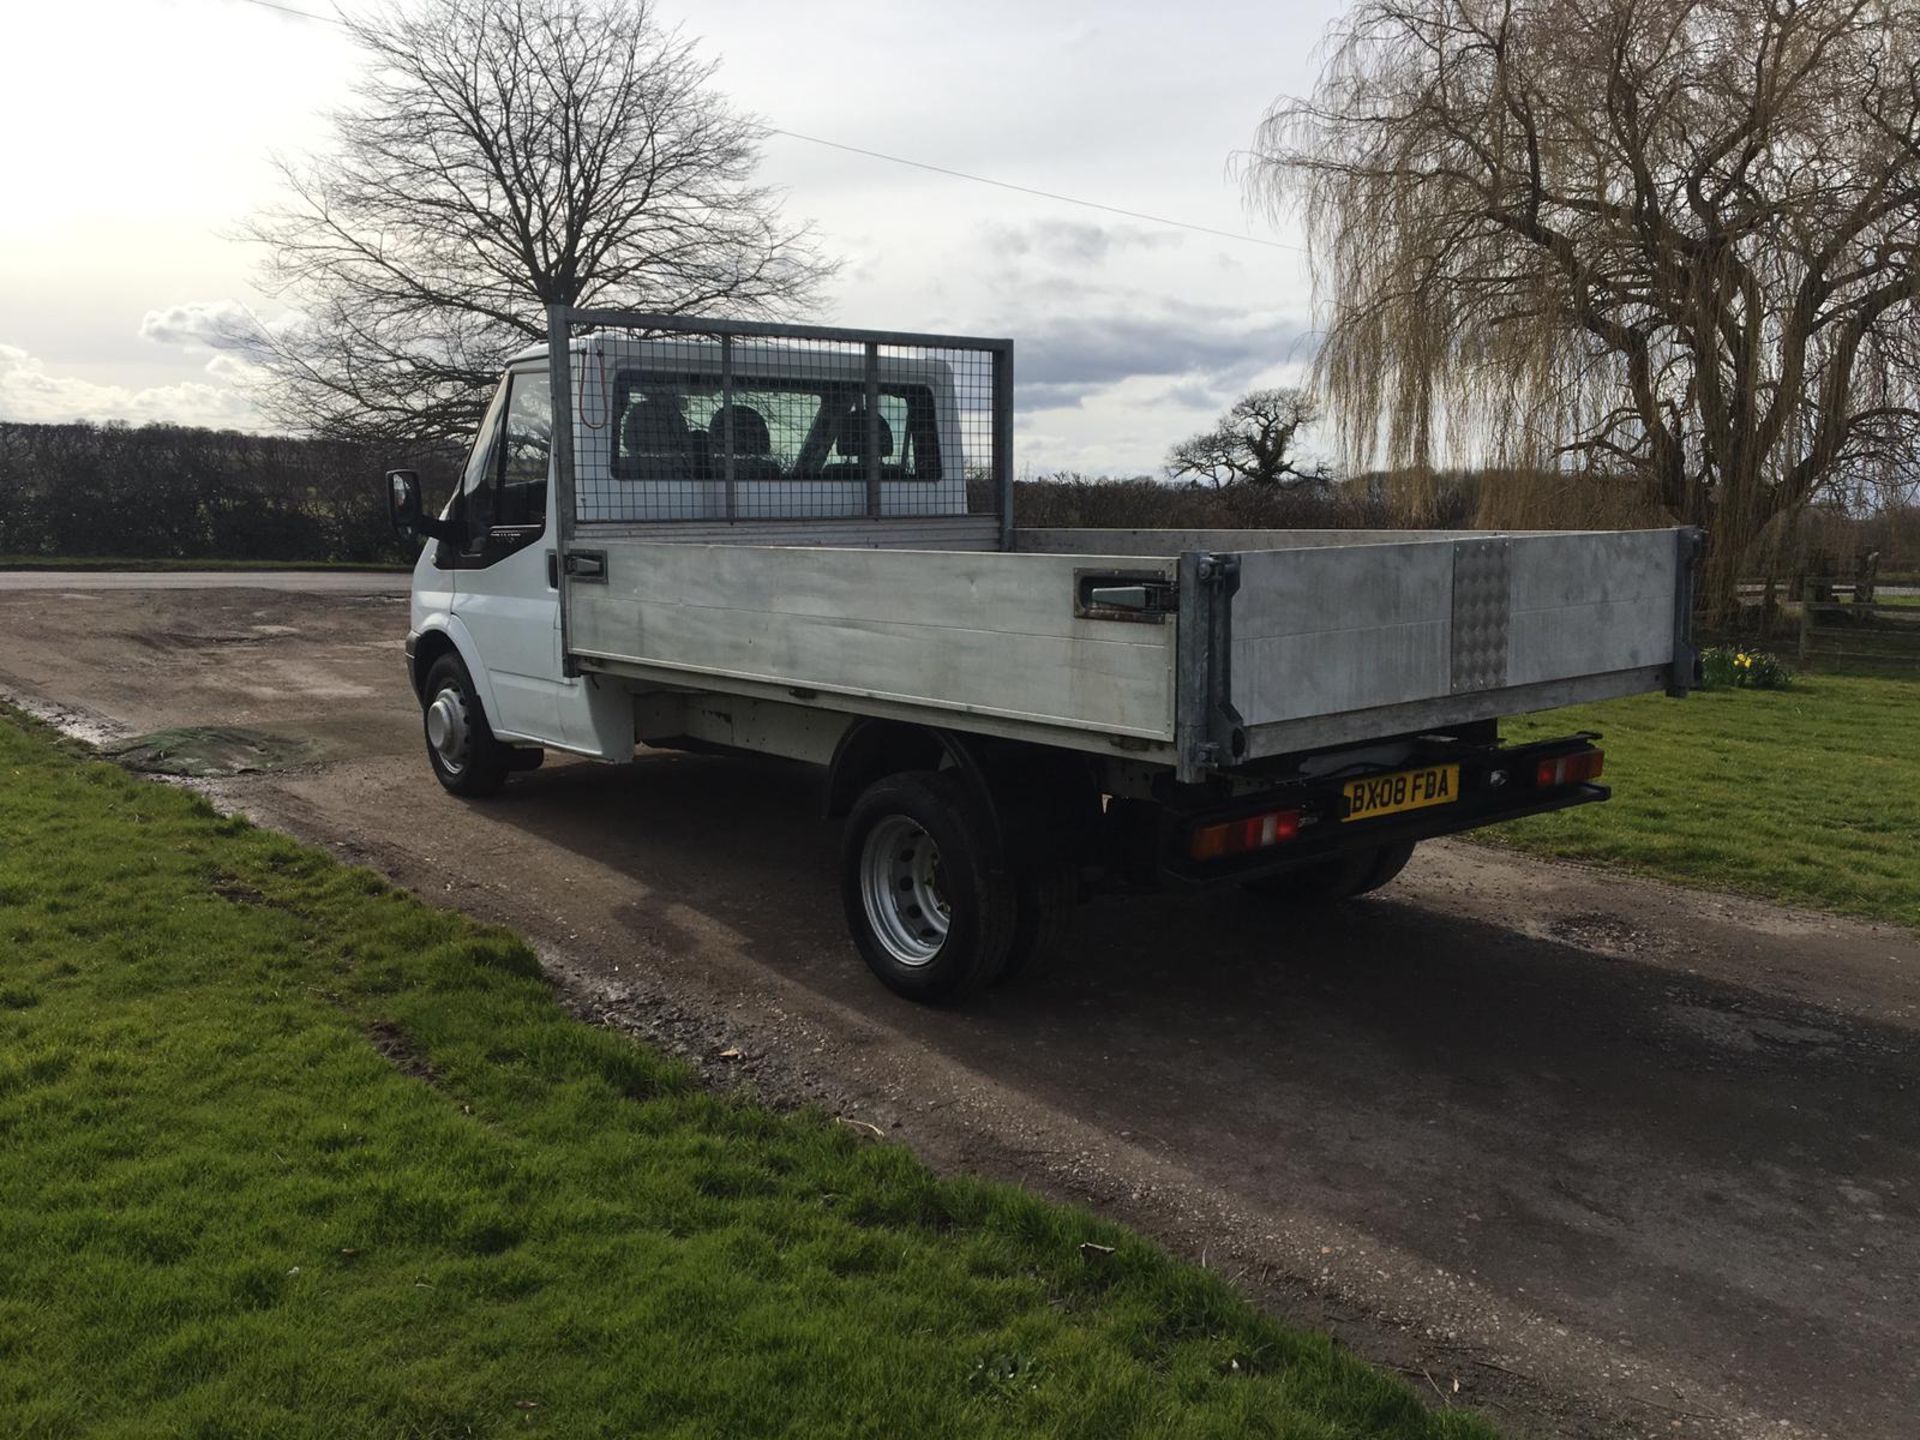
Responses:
[677,419]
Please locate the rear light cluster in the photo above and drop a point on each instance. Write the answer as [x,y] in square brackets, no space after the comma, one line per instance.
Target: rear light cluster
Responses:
[1238,837]
[1572,769]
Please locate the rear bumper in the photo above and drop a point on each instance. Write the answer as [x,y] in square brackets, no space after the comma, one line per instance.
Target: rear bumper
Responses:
[1497,785]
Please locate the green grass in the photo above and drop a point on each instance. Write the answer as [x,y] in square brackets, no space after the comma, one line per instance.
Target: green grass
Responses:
[284,1152]
[108,562]
[1809,795]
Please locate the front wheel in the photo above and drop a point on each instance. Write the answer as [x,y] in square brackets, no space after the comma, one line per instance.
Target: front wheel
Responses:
[931,907]
[466,758]
[1335,880]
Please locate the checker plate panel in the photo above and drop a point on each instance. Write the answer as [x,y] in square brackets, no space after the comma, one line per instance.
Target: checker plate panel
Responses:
[1482,613]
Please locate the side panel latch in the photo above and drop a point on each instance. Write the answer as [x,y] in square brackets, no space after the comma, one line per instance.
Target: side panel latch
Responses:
[1140,596]
[587,565]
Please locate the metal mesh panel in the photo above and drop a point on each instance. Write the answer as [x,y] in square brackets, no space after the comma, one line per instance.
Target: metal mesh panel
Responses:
[718,421]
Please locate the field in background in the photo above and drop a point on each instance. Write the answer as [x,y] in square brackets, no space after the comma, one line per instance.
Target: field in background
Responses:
[289,1153]
[1809,795]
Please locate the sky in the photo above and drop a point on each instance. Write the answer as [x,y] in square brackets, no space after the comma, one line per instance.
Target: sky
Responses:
[142,160]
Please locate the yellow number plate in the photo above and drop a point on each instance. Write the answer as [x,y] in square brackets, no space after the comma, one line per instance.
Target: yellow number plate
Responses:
[1402,790]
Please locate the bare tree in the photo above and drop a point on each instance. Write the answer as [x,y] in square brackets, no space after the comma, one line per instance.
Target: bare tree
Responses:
[1252,443]
[504,155]
[1668,239]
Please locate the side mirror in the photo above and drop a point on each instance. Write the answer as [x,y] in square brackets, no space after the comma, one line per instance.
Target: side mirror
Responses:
[403,503]
[409,517]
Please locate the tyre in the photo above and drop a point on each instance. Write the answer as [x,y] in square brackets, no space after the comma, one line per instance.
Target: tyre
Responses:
[466,759]
[931,908]
[1043,907]
[1335,880]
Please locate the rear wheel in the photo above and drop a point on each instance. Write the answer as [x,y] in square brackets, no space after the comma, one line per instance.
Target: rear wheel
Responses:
[1045,897]
[466,758]
[1337,879]
[930,905]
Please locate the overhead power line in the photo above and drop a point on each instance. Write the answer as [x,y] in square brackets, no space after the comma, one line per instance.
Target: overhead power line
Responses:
[303,14]
[936,169]
[1030,190]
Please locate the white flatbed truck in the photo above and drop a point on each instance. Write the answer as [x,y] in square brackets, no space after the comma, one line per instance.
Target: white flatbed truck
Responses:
[798,541]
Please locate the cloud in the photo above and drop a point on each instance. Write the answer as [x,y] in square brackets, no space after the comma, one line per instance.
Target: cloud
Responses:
[232,338]
[220,325]
[1197,395]
[230,368]
[1072,243]
[29,391]
[1085,327]
[1211,351]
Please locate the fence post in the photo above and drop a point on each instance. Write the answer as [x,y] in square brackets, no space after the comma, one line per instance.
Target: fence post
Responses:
[1806,630]
[1863,587]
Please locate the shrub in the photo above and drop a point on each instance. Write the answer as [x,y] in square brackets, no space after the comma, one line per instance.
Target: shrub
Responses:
[1727,667]
[176,492]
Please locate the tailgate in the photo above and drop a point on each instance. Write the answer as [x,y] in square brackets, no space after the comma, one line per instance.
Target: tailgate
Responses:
[1323,646]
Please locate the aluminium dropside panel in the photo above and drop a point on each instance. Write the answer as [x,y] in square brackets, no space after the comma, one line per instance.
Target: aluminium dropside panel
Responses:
[1338,643]
[951,637]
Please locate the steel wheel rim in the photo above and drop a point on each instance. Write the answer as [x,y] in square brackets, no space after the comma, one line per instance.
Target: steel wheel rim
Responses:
[900,885]
[447,729]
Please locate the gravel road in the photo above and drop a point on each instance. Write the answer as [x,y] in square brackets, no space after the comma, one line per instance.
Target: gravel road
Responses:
[1619,1159]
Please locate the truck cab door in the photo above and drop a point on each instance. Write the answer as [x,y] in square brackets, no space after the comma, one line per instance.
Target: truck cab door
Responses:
[505,592]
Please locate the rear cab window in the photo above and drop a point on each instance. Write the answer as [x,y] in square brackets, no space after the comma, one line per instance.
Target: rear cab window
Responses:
[676,427]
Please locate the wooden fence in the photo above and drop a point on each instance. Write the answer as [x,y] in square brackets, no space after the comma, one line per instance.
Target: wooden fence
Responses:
[1838,616]
[1860,635]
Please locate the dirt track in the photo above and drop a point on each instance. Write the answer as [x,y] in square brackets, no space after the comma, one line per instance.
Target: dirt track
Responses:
[1622,1159]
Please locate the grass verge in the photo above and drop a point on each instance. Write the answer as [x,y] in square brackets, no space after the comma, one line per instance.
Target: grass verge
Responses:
[284,1152]
[1809,795]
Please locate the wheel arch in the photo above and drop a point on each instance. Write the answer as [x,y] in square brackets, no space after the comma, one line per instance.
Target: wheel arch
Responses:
[872,749]
[452,638]
[1038,801]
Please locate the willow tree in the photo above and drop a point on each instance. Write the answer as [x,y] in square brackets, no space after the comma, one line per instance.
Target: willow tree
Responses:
[500,156]
[1671,241]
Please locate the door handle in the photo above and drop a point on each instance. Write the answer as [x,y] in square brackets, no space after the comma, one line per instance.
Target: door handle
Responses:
[587,565]
[553,569]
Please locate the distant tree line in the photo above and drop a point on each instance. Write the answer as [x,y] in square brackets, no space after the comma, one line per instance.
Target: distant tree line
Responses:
[181,493]
[1069,500]
[1490,498]
[173,492]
